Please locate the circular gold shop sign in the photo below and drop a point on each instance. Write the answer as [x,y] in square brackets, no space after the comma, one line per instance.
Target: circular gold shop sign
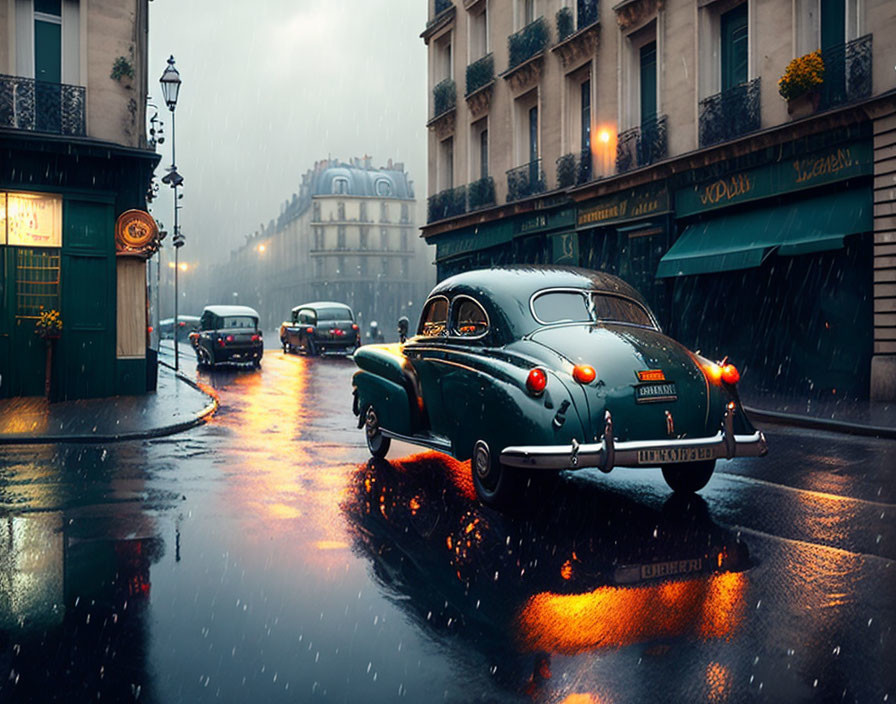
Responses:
[136,234]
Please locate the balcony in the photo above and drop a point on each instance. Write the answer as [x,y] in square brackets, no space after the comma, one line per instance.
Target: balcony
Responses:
[524,181]
[447,204]
[729,114]
[641,146]
[444,98]
[574,169]
[481,193]
[38,106]
[847,73]
[480,73]
[529,41]
[587,13]
[439,6]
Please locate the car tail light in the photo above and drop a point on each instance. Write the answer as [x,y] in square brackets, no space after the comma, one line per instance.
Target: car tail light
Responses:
[583,373]
[221,341]
[149,329]
[230,338]
[310,331]
[730,375]
[713,371]
[354,326]
[536,381]
[256,338]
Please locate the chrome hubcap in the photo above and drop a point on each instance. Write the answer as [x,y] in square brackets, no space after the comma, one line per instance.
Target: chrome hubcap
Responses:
[481,459]
[372,423]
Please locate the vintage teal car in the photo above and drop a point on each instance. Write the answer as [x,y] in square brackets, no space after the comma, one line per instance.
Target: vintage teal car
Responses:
[531,370]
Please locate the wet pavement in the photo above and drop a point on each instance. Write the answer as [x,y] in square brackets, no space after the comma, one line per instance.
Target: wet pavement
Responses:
[263,557]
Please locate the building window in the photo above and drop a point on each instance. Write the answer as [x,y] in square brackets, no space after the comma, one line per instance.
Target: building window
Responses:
[405,213]
[362,210]
[404,241]
[340,185]
[639,80]
[48,41]
[315,211]
[527,128]
[479,149]
[340,237]
[734,45]
[446,164]
[403,270]
[384,266]
[384,212]
[340,265]
[30,220]
[526,13]
[383,187]
[318,238]
[37,281]
[362,266]
[384,239]
[479,34]
[585,115]
[647,84]
[318,267]
[365,236]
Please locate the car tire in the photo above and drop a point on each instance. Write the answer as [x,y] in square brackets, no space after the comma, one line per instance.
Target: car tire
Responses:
[310,348]
[495,484]
[377,443]
[688,477]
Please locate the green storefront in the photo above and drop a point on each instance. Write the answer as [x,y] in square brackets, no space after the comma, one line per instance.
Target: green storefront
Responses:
[543,236]
[59,200]
[772,266]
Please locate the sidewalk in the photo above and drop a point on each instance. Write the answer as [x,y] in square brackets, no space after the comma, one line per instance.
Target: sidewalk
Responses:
[177,404]
[872,418]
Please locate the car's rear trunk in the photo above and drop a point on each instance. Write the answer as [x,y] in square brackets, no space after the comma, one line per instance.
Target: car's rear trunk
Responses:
[670,401]
[336,332]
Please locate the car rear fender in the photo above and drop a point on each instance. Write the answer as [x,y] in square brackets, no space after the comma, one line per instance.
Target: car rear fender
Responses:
[388,364]
[390,400]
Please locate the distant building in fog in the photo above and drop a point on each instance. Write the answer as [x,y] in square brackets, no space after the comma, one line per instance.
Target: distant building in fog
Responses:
[349,235]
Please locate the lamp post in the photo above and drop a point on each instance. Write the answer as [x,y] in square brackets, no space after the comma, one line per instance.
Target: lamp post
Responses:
[170,82]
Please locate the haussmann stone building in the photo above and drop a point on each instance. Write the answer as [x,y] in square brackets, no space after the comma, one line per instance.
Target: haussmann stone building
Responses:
[648,138]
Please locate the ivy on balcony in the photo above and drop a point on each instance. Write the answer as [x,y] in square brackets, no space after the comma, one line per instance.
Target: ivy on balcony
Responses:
[529,41]
[444,97]
[480,73]
[574,169]
[524,181]
[481,193]
[641,146]
[447,204]
[729,114]
[587,13]
[564,23]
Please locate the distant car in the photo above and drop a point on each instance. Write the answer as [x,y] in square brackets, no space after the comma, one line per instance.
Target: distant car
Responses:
[539,369]
[228,334]
[320,327]
[185,325]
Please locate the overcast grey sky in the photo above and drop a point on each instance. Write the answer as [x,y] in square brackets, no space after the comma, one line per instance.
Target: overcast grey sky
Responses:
[270,87]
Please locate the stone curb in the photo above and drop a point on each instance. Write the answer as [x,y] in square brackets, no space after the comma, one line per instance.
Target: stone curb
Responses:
[146,434]
[835,426]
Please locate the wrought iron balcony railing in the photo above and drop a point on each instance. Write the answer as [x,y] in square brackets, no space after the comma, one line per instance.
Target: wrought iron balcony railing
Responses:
[481,193]
[39,106]
[847,72]
[642,145]
[729,114]
[444,97]
[565,25]
[574,169]
[447,204]
[529,41]
[439,6]
[524,181]
[480,73]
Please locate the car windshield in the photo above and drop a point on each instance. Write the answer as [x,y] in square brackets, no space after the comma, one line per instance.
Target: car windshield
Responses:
[238,321]
[587,306]
[334,314]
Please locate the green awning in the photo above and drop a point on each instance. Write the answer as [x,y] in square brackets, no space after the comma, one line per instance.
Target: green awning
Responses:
[744,240]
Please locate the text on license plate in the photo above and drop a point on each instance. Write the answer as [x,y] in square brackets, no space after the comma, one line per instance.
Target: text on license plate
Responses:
[671,455]
[655,392]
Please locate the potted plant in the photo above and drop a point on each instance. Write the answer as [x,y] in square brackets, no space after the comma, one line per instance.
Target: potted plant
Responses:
[48,327]
[800,84]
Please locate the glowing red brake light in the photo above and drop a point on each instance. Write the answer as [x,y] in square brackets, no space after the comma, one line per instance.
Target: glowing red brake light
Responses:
[354,326]
[256,338]
[536,381]
[309,330]
[583,373]
[230,338]
[730,375]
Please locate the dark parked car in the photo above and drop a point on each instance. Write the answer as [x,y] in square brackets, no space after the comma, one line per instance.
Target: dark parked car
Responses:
[228,334]
[532,370]
[323,326]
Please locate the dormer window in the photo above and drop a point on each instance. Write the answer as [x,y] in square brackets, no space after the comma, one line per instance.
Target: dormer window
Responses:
[383,187]
[340,185]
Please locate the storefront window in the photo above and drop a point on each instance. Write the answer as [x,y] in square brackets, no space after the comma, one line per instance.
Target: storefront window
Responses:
[30,220]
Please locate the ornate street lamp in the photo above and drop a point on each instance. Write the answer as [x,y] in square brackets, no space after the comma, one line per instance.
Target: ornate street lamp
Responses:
[170,82]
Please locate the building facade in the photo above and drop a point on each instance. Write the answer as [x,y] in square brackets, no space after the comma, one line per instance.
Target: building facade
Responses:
[73,158]
[350,234]
[649,138]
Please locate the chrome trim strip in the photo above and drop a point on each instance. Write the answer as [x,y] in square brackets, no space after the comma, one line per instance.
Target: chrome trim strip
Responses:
[433,443]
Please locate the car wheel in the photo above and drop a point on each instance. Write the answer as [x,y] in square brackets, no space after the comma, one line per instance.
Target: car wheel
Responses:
[495,484]
[377,443]
[310,348]
[285,345]
[688,477]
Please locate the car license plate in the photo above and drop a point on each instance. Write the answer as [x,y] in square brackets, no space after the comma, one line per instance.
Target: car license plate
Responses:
[629,574]
[673,455]
[652,393]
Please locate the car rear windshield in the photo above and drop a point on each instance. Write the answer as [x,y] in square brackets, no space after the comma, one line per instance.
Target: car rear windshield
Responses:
[586,307]
[334,314]
[238,321]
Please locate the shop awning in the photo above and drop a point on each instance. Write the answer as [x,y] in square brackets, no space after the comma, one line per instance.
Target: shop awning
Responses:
[744,240]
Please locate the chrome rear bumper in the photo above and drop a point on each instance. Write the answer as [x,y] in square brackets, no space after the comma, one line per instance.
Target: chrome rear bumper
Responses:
[607,454]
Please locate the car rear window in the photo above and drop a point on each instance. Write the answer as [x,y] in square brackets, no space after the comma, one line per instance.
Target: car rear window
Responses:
[434,318]
[469,319]
[334,314]
[238,321]
[585,307]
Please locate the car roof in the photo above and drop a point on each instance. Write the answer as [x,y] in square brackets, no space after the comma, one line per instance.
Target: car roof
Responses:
[224,311]
[322,304]
[502,289]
